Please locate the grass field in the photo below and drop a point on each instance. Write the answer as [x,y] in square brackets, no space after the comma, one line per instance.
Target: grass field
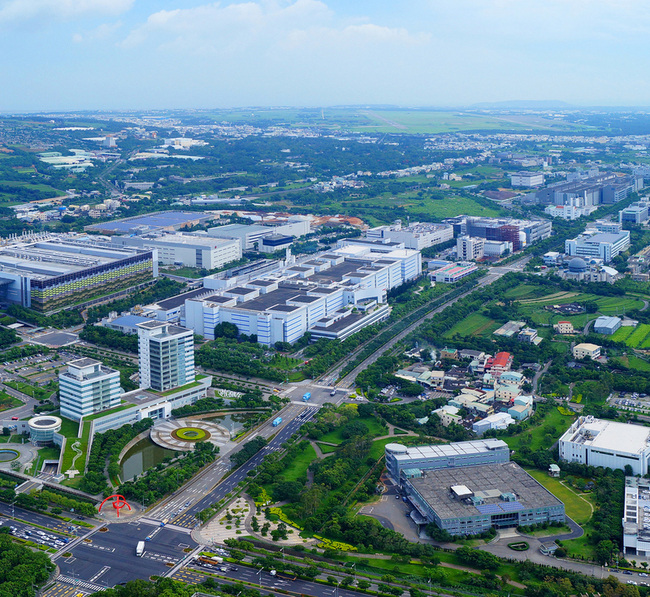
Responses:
[375,428]
[554,424]
[475,324]
[10,197]
[438,209]
[8,402]
[29,390]
[433,121]
[525,291]
[326,449]
[634,363]
[378,446]
[298,468]
[576,507]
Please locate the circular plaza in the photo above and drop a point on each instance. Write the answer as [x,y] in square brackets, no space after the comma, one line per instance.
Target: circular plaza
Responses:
[183,434]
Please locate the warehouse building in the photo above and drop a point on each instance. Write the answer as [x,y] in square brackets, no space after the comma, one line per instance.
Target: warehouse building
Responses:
[250,236]
[416,236]
[609,444]
[470,500]
[154,222]
[607,325]
[46,272]
[186,249]
[400,458]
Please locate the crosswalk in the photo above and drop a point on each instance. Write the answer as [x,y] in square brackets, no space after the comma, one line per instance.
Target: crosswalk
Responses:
[157,557]
[79,583]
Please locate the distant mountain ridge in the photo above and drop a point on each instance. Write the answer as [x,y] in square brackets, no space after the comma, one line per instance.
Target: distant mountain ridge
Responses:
[524,105]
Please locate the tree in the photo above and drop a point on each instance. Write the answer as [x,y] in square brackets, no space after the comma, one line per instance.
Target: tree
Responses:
[363,585]
[604,551]
[226,330]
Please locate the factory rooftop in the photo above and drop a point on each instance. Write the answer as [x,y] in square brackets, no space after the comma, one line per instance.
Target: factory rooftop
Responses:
[164,220]
[609,435]
[487,483]
[43,257]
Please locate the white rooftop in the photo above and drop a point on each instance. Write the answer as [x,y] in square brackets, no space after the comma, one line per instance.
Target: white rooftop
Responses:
[609,435]
[455,449]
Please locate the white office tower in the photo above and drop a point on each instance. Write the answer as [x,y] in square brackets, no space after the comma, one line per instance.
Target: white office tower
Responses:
[87,387]
[165,354]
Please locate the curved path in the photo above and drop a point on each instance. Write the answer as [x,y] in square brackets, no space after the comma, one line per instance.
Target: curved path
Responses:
[76,448]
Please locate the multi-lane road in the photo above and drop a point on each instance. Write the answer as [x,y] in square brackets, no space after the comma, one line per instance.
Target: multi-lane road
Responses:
[495,274]
[197,495]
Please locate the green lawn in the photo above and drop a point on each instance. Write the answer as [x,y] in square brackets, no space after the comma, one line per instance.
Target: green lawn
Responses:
[69,454]
[375,428]
[30,390]
[110,411]
[298,468]
[554,421]
[8,402]
[526,291]
[326,449]
[377,449]
[575,506]
[475,324]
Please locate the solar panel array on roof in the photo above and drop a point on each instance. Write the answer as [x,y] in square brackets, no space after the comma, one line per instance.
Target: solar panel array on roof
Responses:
[489,509]
[511,506]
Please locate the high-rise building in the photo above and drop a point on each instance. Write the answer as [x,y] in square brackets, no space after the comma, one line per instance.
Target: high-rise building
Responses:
[469,248]
[165,354]
[87,387]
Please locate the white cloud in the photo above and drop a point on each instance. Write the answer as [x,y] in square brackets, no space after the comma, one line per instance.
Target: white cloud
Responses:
[101,33]
[24,10]
[213,28]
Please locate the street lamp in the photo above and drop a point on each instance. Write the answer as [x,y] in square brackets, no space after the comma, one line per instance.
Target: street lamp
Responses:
[259,574]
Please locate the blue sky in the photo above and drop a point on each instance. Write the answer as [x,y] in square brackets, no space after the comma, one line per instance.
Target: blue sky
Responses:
[120,54]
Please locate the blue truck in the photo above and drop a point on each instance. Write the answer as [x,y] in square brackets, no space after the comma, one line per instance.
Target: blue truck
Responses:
[277,421]
[306,396]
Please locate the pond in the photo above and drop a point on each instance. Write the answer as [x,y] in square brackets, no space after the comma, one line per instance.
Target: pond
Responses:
[233,423]
[141,457]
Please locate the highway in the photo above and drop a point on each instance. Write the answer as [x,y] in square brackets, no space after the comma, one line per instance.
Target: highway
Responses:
[495,274]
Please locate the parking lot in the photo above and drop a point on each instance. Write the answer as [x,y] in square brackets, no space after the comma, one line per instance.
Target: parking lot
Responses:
[630,402]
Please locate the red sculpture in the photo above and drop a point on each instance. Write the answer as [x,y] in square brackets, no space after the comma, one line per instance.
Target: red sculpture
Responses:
[118,503]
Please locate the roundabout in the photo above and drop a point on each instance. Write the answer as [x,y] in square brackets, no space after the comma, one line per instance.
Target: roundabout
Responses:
[183,434]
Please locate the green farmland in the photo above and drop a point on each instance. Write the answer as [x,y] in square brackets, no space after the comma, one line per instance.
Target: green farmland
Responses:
[638,337]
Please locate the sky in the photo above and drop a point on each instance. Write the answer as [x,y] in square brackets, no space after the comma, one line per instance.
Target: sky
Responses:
[143,54]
